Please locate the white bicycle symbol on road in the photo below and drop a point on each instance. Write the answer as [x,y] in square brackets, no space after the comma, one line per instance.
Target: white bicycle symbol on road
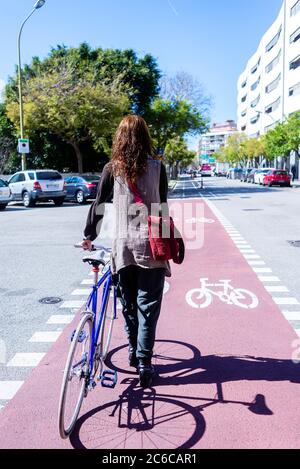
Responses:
[200,298]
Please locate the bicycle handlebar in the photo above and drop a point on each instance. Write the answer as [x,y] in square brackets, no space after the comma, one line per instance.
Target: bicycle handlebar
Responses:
[95,247]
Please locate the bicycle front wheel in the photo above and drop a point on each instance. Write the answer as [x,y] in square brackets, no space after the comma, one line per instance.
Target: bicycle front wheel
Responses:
[76,374]
[107,326]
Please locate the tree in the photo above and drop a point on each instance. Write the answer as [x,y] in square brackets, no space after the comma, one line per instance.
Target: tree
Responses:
[293,132]
[139,76]
[253,148]
[75,109]
[184,87]
[173,119]
[178,155]
[277,142]
[8,140]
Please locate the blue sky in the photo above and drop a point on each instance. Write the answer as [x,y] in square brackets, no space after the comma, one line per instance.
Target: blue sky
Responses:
[212,40]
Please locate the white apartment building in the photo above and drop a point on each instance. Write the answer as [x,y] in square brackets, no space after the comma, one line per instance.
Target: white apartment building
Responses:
[217,137]
[269,87]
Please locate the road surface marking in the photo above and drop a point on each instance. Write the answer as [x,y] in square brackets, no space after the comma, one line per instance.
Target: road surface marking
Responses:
[247,251]
[286,301]
[262,270]
[72,304]
[256,262]
[61,319]
[26,360]
[81,292]
[87,281]
[272,278]
[291,315]
[252,256]
[45,336]
[277,289]
[8,389]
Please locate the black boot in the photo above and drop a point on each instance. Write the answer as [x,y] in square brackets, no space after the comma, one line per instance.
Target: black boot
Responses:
[133,361]
[146,372]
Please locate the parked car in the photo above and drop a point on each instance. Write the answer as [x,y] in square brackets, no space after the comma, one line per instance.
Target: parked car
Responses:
[37,186]
[250,176]
[206,170]
[260,174]
[277,177]
[5,194]
[244,174]
[82,188]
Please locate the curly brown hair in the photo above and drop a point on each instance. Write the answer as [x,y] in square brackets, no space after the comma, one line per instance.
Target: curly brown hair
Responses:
[132,146]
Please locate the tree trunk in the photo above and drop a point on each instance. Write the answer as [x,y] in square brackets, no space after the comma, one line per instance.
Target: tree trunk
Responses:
[77,150]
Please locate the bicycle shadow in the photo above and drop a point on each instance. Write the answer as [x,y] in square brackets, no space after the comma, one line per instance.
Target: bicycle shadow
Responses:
[149,414]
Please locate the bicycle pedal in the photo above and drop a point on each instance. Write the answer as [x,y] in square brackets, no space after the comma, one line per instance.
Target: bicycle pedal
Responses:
[109,379]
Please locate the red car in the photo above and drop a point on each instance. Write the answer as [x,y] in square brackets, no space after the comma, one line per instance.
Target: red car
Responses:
[277,177]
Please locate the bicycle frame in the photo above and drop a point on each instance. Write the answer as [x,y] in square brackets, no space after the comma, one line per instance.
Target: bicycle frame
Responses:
[92,303]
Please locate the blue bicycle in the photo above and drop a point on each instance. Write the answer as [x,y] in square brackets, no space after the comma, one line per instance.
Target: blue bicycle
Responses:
[89,344]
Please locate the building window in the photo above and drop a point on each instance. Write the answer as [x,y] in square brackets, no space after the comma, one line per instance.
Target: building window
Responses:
[255,102]
[274,62]
[255,119]
[273,85]
[243,128]
[244,84]
[244,98]
[295,63]
[243,114]
[295,36]
[272,107]
[271,126]
[254,69]
[274,41]
[295,9]
[295,90]
[255,85]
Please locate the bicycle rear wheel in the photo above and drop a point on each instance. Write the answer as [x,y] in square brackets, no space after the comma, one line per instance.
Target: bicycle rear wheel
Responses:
[107,326]
[76,376]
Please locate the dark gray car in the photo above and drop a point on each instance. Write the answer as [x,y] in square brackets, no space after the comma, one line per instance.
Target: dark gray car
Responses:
[82,188]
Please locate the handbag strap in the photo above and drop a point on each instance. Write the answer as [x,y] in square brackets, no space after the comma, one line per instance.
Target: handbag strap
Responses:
[135,192]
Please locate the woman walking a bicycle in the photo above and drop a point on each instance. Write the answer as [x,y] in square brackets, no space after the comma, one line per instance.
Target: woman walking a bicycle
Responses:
[134,175]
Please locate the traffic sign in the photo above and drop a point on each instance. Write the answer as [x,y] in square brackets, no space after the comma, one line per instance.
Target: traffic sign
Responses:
[23,145]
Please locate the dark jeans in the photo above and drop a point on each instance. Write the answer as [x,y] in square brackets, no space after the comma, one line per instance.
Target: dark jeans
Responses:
[141,296]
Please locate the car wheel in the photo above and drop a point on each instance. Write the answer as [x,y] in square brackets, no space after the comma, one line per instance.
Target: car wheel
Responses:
[59,202]
[80,199]
[27,200]
[270,184]
[3,206]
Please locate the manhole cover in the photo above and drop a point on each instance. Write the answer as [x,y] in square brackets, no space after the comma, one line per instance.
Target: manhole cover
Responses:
[50,300]
[295,244]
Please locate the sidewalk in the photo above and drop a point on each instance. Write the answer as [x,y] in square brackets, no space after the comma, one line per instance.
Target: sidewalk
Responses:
[226,379]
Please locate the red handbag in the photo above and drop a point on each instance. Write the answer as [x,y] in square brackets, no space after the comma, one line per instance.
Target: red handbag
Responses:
[166,242]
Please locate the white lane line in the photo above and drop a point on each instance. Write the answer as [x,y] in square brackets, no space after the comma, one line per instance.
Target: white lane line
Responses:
[87,281]
[291,315]
[256,263]
[45,336]
[26,359]
[8,389]
[61,319]
[72,304]
[247,251]
[81,292]
[252,256]
[271,278]
[276,289]
[243,244]
[285,301]
[262,270]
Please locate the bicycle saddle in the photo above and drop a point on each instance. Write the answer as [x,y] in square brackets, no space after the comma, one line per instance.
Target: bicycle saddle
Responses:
[96,260]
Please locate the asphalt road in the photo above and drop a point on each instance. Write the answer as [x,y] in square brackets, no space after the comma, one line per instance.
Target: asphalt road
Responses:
[38,259]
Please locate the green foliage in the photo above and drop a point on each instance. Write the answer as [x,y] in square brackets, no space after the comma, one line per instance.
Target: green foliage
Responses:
[173,119]
[177,154]
[276,142]
[8,140]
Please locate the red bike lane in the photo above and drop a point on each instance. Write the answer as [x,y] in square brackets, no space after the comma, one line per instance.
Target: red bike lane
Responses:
[226,379]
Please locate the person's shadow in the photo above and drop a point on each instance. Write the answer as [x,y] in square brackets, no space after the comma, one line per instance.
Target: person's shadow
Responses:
[149,413]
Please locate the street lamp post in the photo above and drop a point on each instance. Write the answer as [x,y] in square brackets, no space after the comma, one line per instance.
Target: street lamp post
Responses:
[37,5]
